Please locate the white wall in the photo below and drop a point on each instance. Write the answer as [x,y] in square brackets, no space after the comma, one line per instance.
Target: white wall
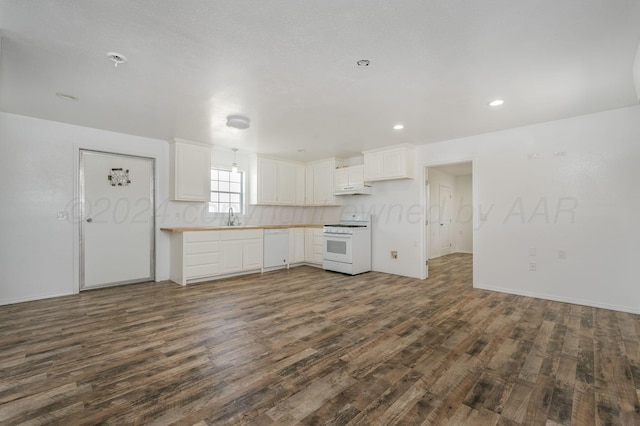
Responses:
[397,212]
[463,215]
[636,72]
[38,168]
[585,202]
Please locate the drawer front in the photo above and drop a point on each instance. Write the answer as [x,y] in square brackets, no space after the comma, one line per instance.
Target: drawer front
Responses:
[202,247]
[240,234]
[200,236]
[201,259]
[202,270]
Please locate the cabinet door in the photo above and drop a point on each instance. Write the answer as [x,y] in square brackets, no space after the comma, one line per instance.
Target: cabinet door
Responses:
[342,178]
[318,245]
[296,245]
[323,187]
[308,245]
[300,184]
[231,256]
[267,181]
[286,183]
[308,185]
[356,175]
[372,166]
[394,163]
[252,254]
[191,172]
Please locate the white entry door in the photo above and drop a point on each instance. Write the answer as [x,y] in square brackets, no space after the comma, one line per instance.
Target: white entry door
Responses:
[445,220]
[117,227]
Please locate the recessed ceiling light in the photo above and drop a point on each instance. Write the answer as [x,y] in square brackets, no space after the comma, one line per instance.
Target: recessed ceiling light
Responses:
[117,58]
[363,63]
[66,97]
[238,122]
[496,102]
[398,127]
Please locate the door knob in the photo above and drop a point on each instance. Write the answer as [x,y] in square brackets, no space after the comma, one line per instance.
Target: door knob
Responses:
[89,220]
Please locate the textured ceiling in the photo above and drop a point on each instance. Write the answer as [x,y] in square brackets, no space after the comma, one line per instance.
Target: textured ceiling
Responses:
[290,66]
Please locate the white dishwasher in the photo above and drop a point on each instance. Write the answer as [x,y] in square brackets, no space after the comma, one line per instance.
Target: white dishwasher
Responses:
[276,248]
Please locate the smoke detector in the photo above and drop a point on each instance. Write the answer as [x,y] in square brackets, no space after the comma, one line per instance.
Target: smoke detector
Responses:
[117,58]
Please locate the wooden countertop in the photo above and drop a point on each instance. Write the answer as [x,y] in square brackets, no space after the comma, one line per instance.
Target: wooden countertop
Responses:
[228,228]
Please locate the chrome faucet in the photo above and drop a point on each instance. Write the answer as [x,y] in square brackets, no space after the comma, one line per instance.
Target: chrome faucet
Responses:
[231,221]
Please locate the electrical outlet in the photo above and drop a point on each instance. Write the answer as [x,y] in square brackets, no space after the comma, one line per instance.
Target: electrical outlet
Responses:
[532,266]
[562,254]
[394,254]
[533,251]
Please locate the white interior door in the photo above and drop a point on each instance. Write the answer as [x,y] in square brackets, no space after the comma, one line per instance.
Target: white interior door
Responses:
[445,220]
[117,227]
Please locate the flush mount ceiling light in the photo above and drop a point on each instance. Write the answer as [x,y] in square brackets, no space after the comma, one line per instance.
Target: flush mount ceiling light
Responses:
[496,102]
[66,97]
[234,165]
[363,63]
[117,58]
[398,127]
[238,122]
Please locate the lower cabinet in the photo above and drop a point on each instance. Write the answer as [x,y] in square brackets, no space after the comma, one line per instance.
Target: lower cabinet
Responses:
[313,246]
[252,254]
[296,245]
[201,255]
[198,255]
[231,257]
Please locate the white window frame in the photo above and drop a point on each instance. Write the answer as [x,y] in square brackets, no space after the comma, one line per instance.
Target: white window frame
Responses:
[243,193]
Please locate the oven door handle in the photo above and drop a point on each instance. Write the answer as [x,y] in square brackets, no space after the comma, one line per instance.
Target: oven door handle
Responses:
[342,236]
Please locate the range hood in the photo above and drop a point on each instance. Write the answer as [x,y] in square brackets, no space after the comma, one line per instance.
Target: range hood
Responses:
[354,190]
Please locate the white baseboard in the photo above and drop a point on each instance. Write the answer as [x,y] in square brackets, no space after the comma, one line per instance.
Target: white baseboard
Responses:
[574,301]
[33,298]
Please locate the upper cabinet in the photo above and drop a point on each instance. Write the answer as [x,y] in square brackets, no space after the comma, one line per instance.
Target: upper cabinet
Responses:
[276,182]
[190,171]
[349,177]
[396,162]
[320,186]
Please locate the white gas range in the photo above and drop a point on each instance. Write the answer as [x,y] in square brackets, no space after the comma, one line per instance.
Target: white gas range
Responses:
[347,245]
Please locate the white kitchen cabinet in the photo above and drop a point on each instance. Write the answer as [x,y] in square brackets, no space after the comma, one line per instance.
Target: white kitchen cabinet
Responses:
[190,171]
[231,257]
[296,245]
[194,255]
[267,185]
[395,162]
[320,186]
[252,254]
[276,182]
[200,255]
[349,177]
[313,242]
[241,250]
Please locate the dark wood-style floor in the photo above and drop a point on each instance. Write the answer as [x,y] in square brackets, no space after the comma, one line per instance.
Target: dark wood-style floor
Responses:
[306,346]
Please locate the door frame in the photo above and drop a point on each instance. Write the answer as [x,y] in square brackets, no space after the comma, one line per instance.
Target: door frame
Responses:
[78,214]
[424,199]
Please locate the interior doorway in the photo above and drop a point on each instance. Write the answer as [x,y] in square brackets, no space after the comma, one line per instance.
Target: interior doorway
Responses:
[448,210]
[117,226]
